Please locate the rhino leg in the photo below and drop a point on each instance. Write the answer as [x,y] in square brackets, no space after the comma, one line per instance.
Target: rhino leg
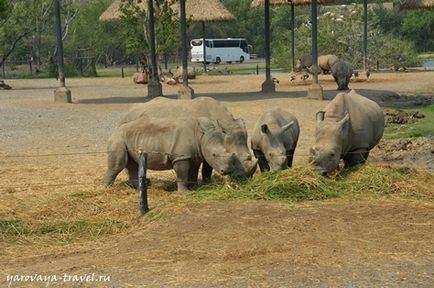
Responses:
[355,158]
[117,161]
[182,169]
[206,172]
[262,162]
[133,172]
[192,176]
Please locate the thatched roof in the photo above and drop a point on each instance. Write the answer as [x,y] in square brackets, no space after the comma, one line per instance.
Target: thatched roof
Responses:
[206,11]
[197,10]
[415,4]
[256,3]
[113,13]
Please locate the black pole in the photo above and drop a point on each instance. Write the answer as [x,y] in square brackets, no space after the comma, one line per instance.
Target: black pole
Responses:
[143,184]
[154,71]
[314,42]
[60,63]
[293,36]
[204,47]
[184,43]
[267,40]
[365,35]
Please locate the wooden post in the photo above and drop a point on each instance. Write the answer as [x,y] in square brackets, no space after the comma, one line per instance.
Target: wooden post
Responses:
[293,36]
[268,85]
[143,185]
[365,35]
[315,91]
[122,71]
[184,92]
[204,47]
[257,69]
[62,94]
[154,85]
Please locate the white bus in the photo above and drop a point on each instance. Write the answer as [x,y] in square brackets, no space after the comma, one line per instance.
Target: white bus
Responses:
[221,50]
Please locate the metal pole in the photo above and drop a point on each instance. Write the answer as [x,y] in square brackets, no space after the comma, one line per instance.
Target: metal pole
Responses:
[184,44]
[204,47]
[267,40]
[293,36]
[60,63]
[154,71]
[365,35]
[314,42]
[143,184]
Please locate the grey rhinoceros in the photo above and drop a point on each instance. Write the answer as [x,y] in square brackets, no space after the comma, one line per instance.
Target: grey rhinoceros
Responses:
[325,63]
[348,128]
[181,145]
[274,139]
[342,72]
[235,129]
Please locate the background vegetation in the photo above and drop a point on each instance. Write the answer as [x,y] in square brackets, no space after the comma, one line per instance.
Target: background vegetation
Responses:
[27,33]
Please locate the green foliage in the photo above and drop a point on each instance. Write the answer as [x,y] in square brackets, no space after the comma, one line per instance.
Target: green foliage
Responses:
[340,32]
[3,9]
[420,128]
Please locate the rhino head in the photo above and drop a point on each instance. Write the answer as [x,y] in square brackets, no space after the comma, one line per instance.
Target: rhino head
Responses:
[236,142]
[272,146]
[212,147]
[329,139]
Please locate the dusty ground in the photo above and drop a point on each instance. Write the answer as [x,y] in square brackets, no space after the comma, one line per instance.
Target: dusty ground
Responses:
[237,244]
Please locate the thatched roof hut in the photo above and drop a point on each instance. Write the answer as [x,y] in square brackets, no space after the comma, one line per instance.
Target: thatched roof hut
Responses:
[256,3]
[415,4]
[197,10]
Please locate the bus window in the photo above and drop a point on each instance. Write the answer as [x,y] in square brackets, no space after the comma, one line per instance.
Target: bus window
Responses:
[244,46]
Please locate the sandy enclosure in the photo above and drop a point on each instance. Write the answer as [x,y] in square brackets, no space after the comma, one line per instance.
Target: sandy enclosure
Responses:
[370,243]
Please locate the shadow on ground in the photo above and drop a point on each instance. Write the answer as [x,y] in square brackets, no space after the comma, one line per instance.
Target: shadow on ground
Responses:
[382,97]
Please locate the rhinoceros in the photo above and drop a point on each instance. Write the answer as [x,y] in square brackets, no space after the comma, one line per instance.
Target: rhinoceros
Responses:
[325,63]
[274,139]
[235,129]
[180,145]
[342,72]
[348,128]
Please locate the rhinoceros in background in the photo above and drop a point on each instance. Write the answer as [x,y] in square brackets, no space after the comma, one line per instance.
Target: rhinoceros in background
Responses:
[235,129]
[182,145]
[342,72]
[191,72]
[348,128]
[325,63]
[274,139]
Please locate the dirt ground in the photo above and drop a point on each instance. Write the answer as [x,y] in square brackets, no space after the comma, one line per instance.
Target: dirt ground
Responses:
[341,243]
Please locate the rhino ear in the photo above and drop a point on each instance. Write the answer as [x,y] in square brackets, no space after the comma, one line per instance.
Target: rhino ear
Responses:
[205,123]
[287,126]
[320,116]
[264,128]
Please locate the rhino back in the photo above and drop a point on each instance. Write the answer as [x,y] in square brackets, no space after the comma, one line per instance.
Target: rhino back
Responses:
[164,140]
[342,69]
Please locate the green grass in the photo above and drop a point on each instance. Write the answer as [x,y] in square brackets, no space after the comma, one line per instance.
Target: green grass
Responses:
[302,183]
[423,127]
